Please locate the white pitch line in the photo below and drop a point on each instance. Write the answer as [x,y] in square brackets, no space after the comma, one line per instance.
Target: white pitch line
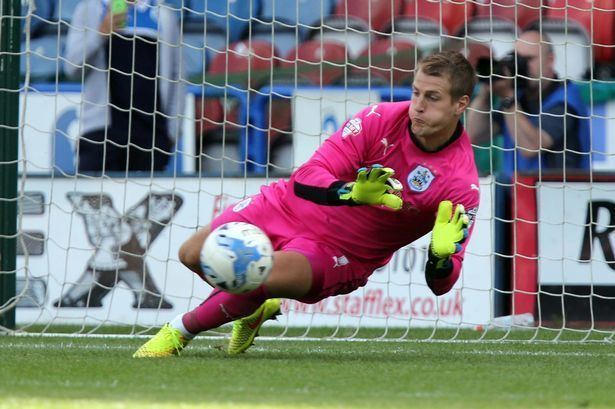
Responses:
[311,350]
[604,341]
[534,353]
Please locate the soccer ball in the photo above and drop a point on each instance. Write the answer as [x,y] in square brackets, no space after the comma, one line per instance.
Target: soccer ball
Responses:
[237,257]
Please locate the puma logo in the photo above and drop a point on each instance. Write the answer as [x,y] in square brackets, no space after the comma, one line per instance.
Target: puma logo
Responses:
[373,111]
[386,144]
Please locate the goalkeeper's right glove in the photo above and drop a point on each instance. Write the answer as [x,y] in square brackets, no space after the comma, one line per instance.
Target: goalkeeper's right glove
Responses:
[374,186]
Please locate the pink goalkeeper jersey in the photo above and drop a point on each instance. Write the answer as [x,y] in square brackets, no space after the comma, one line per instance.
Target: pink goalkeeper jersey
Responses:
[380,135]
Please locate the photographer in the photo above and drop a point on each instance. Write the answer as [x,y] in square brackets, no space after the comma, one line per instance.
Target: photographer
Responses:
[542,118]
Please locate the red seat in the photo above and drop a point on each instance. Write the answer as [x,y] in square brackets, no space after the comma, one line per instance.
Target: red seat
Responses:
[474,51]
[313,62]
[250,58]
[393,60]
[209,115]
[521,12]
[499,22]
[210,118]
[452,14]
[377,13]
[316,62]
[478,53]
[602,12]
[280,121]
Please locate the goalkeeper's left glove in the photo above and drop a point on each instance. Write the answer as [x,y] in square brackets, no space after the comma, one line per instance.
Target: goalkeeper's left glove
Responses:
[374,186]
[448,234]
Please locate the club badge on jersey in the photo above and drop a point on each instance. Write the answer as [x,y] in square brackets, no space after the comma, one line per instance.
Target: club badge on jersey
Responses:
[352,127]
[420,179]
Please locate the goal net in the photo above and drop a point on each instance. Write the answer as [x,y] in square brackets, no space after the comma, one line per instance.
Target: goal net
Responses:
[244,92]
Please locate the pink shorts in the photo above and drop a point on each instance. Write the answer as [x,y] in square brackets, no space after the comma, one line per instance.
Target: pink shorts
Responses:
[333,273]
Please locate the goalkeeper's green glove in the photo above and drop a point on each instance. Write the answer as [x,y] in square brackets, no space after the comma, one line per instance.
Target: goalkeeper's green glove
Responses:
[448,234]
[374,186]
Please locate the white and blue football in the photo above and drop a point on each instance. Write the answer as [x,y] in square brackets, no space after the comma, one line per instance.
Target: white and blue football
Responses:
[237,257]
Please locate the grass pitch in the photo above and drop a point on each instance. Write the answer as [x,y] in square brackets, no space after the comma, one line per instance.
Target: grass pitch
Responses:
[42,372]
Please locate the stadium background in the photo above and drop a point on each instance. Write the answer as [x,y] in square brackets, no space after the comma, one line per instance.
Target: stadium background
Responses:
[364,44]
[266,82]
[490,343]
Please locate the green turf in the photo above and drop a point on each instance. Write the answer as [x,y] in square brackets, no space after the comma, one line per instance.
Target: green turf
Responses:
[43,372]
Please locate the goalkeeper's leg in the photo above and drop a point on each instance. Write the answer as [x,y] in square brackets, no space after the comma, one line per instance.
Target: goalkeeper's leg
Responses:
[218,309]
[303,269]
[291,277]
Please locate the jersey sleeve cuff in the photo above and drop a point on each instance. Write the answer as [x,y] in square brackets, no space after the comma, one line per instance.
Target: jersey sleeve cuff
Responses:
[328,196]
[437,268]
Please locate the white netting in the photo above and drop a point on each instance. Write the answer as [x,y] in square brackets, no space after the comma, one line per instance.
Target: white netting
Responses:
[247,90]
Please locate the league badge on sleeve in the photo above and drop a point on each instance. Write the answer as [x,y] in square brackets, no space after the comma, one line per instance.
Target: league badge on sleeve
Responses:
[242,205]
[420,179]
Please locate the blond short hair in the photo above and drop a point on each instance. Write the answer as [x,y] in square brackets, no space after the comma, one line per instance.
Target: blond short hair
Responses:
[455,67]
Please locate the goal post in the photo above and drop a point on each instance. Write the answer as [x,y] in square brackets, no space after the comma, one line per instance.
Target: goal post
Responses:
[253,88]
[10,25]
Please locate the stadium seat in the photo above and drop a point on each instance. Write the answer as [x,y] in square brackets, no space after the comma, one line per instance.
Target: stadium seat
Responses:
[571,46]
[195,56]
[574,17]
[218,15]
[316,63]
[377,13]
[452,14]
[283,37]
[519,12]
[420,22]
[218,131]
[242,60]
[354,22]
[209,115]
[307,14]
[498,35]
[280,129]
[352,33]
[475,51]
[427,35]
[213,38]
[392,60]
[498,22]
[287,24]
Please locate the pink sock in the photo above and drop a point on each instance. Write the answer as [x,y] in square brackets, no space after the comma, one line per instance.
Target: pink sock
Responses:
[222,307]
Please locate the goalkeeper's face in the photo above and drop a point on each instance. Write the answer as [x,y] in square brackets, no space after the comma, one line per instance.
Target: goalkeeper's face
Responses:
[434,113]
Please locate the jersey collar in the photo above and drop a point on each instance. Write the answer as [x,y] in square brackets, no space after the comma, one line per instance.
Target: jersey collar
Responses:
[453,138]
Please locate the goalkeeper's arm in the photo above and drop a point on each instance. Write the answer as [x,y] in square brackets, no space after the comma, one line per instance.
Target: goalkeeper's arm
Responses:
[444,254]
[374,186]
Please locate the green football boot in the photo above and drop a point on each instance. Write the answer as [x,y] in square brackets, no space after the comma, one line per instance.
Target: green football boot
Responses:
[246,329]
[167,342]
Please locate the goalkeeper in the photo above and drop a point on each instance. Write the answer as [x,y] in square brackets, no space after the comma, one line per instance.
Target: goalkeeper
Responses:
[343,214]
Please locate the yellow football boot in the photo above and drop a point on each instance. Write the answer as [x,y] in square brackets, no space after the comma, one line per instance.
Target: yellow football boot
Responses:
[167,342]
[246,329]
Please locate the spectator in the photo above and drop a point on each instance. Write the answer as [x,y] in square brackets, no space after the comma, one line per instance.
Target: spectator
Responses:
[125,55]
[543,118]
